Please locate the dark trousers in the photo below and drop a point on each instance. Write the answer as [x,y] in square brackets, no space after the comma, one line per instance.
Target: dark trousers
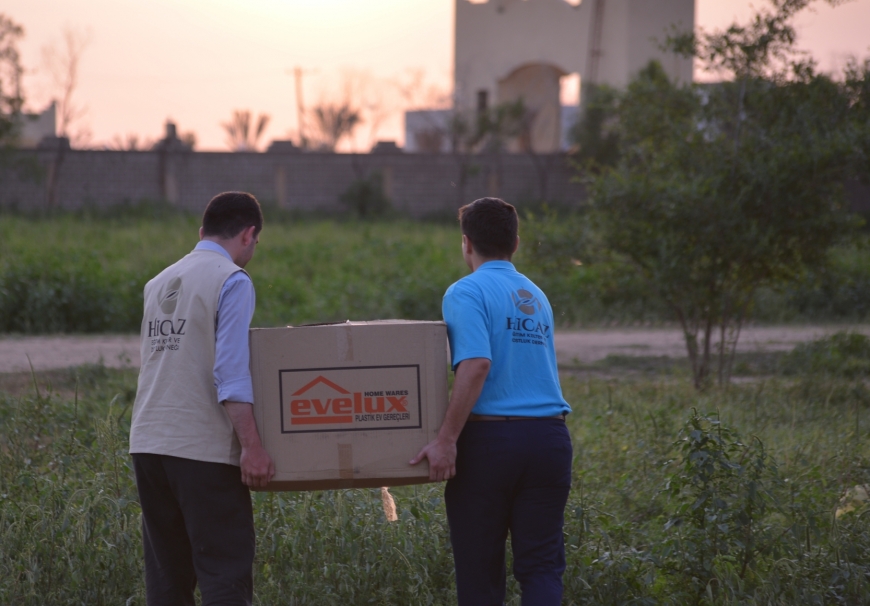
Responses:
[197,527]
[511,476]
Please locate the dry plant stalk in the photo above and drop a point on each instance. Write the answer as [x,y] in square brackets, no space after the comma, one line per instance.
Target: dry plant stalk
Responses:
[389,505]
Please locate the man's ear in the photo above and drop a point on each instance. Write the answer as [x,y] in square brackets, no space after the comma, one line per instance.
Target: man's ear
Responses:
[248,235]
[200,233]
[516,244]
[467,246]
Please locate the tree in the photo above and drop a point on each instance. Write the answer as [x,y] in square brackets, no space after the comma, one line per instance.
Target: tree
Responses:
[242,133]
[62,61]
[857,84]
[464,134]
[129,142]
[370,95]
[333,122]
[366,196]
[596,133]
[543,162]
[433,104]
[484,130]
[338,116]
[721,189]
[362,99]
[11,97]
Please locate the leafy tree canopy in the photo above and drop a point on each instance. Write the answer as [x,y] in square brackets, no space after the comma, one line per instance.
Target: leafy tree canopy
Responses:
[710,191]
[11,98]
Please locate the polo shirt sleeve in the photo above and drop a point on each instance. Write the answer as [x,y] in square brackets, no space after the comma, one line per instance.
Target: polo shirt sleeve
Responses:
[467,327]
[232,364]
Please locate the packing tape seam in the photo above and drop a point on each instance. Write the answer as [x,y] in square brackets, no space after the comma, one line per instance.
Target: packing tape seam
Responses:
[345,461]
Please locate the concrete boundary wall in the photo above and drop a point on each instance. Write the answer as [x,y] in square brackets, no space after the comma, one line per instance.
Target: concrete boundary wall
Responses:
[417,184]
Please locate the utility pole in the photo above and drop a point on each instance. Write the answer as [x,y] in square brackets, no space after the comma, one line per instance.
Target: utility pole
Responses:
[589,78]
[300,109]
[594,58]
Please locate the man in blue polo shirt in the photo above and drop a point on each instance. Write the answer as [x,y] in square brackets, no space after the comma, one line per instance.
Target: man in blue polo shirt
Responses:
[503,448]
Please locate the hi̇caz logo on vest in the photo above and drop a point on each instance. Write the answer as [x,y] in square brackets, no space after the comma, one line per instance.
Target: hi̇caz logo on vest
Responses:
[528,329]
[350,399]
[165,334]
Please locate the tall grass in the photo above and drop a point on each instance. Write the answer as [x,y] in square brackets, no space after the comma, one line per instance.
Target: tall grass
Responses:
[85,273]
[337,271]
[73,274]
[723,497]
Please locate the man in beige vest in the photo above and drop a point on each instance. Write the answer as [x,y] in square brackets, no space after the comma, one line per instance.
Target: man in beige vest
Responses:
[193,439]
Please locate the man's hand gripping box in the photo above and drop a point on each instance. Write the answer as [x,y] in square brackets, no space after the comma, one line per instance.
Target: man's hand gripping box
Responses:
[348,405]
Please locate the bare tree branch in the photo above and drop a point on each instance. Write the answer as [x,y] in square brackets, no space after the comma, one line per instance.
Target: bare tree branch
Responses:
[62,61]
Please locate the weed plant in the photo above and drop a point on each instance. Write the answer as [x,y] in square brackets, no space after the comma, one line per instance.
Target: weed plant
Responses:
[722,497]
[735,506]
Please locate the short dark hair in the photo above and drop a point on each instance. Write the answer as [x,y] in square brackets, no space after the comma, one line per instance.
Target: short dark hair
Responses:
[229,213]
[491,224]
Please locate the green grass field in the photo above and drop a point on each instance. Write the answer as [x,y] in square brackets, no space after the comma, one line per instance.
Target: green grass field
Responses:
[680,497]
[732,505]
[79,273]
[69,274]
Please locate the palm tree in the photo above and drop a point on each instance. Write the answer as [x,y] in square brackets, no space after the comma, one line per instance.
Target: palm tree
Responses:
[334,122]
[242,135]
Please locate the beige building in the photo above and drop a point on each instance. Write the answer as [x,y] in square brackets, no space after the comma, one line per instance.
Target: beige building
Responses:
[511,49]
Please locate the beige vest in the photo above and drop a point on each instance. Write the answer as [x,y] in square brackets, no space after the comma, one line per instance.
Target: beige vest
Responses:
[176,410]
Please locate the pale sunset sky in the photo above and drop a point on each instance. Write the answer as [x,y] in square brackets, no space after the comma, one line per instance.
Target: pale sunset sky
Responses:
[194,61]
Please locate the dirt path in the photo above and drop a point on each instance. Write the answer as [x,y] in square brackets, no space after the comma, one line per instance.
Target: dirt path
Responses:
[583,346]
[52,352]
[590,345]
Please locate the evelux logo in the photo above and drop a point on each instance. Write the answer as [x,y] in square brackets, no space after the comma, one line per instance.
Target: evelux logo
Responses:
[168,296]
[353,398]
[526,302]
[344,406]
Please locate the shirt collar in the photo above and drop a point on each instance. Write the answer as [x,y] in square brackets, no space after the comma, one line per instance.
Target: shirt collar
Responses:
[213,247]
[496,265]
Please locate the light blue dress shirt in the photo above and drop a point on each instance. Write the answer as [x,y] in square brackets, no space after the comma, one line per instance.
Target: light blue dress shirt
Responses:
[232,361]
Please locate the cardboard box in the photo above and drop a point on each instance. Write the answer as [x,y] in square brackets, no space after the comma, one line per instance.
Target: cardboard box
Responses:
[348,405]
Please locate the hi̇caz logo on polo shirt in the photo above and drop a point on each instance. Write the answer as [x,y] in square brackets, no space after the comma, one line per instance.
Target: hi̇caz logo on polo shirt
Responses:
[527,329]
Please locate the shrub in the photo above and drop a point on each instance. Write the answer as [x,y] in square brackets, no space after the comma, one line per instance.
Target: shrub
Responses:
[51,295]
[843,354]
[720,525]
[366,197]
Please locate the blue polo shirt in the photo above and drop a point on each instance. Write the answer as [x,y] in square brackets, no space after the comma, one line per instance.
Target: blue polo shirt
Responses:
[499,314]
